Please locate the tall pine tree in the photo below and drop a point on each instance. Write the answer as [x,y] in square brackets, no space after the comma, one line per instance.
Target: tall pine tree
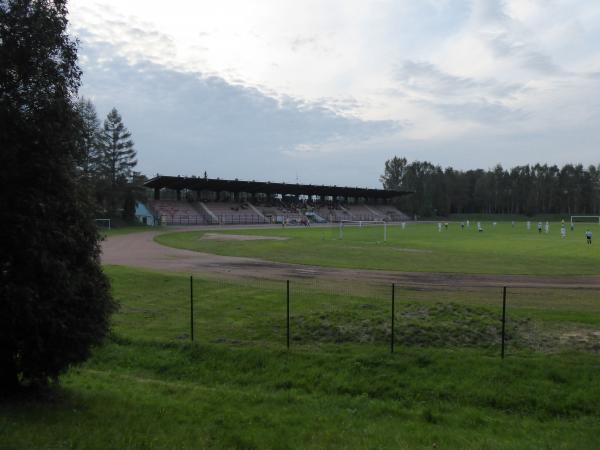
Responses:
[90,140]
[119,154]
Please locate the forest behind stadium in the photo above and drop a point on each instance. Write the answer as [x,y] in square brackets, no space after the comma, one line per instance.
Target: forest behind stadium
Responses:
[528,189]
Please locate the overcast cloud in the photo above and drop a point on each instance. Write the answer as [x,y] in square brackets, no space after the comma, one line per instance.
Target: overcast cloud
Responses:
[285,90]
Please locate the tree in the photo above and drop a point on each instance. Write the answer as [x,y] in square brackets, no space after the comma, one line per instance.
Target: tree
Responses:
[520,190]
[119,154]
[55,301]
[393,174]
[128,214]
[90,153]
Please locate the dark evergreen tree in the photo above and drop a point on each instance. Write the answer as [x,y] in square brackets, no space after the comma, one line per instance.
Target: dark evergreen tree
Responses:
[55,301]
[90,141]
[119,154]
[128,213]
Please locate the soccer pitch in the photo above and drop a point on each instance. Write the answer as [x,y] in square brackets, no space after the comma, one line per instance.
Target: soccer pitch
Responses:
[499,249]
[339,385]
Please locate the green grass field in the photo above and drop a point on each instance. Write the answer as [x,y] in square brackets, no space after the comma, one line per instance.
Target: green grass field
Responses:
[237,387]
[418,248]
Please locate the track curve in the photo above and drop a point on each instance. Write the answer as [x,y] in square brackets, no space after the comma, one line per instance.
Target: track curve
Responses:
[140,250]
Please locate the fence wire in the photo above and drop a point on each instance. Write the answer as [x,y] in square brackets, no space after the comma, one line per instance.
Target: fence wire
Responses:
[254,311]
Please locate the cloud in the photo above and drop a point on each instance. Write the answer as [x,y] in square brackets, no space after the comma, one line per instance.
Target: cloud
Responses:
[425,77]
[458,98]
[205,119]
[489,12]
[505,46]
[508,38]
[482,111]
[298,42]
[331,92]
[129,39]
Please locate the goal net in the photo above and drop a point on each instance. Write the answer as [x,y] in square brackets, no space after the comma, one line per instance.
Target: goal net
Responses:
[103,223]
[377,229]
[585,219]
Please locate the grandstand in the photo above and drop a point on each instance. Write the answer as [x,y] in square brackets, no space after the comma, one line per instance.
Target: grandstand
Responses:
[235,212]
[390,213]
[204,201]
[338,213]
[364,212]
[172,212]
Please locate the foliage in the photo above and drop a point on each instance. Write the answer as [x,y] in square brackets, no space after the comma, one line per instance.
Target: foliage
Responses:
[128,213]
[119,154]
[89,160]
[54,298]
[105,161]
[537,189]
[394,173]
[117,162]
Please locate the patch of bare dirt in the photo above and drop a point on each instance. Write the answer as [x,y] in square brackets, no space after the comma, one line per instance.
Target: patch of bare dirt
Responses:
[412,250]
[581,335]
[239,237]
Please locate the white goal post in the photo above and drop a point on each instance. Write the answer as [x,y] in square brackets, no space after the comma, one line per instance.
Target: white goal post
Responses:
[103,222]
[361,224]
[596,219]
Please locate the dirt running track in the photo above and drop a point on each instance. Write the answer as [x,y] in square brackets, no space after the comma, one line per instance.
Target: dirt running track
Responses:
[140,250]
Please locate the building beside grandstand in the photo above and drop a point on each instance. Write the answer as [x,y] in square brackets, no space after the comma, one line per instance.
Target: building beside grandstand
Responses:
[205,201]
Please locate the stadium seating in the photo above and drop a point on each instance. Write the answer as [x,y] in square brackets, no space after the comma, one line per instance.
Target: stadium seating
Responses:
[292,212]
[390,213]
[183,212]
[334,212]
[235,213]
[364,212]
[173,212]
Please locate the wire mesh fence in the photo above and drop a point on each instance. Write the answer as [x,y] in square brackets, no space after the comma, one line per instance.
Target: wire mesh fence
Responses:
[315,312]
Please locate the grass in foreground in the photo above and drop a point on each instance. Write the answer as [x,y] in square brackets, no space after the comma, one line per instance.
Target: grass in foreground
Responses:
[418,248]
[237,387]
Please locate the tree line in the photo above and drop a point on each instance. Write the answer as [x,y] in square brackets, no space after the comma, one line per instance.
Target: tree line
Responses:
[106,160]
[528,189]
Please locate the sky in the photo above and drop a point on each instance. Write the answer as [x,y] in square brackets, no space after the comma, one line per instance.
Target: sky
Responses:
[324,92]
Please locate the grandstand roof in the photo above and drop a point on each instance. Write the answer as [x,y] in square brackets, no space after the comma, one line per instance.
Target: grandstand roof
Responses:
[266,187]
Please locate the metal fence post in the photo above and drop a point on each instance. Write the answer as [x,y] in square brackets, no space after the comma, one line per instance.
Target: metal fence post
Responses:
[288,312]
[192,307]
[503,319]
[393,316]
